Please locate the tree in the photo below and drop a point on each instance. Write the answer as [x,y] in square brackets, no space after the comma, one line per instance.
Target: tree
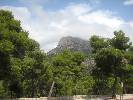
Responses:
[109,62]
[32,72]
[120,41]
[14,44]
[131,48]
[97,43]
[69,73]
[106,58]
[67,66]
[128,72]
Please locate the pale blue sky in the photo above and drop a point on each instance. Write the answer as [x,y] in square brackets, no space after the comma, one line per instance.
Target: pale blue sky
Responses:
[117,6]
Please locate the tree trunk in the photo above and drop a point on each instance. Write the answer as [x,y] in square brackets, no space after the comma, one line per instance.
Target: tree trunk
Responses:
[51,90]
[114,89]
[32,84]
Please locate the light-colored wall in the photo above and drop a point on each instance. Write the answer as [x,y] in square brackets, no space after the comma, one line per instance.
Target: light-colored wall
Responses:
[81,97]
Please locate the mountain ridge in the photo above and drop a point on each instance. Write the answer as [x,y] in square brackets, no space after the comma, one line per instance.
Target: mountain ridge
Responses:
[72,44]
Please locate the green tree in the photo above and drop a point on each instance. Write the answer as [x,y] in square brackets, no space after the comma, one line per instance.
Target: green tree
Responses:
[32,72]
[14,44]
[67,66]
[109,62]
[69,73]
[120,41]
[131,49]
[113,58]
[128,72]
[97,43]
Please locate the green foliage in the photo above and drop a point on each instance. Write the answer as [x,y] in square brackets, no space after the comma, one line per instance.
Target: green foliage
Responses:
[114,61]
[67,66]
[109,60]
[68,73]
[104,86]
[120,41]
[32,72]
[6,46]
[131,49]
[3,92]
[15,45]
[129,57]
[97,43]
[84,85]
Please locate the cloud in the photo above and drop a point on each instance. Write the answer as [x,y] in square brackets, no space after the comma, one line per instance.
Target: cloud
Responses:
[128,2]
[78,20]
[103,18]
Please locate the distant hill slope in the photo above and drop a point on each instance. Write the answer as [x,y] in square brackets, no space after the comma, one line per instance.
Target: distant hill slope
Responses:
[72,44]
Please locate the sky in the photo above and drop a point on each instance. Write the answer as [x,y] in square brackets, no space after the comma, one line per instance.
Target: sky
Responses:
[47,21]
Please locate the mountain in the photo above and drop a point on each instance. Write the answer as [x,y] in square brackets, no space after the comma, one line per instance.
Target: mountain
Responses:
[72,44]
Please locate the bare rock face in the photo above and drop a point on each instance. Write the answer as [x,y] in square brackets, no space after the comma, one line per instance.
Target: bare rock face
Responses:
[90,65]
[72,44]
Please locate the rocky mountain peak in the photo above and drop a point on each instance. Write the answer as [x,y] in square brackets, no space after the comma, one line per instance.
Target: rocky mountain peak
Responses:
[73,44]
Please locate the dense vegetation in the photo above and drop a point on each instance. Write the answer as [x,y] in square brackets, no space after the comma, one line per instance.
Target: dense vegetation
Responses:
[27,71]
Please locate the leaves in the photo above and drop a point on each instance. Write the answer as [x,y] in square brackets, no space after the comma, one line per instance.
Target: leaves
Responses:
[97,43]
[120,41]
